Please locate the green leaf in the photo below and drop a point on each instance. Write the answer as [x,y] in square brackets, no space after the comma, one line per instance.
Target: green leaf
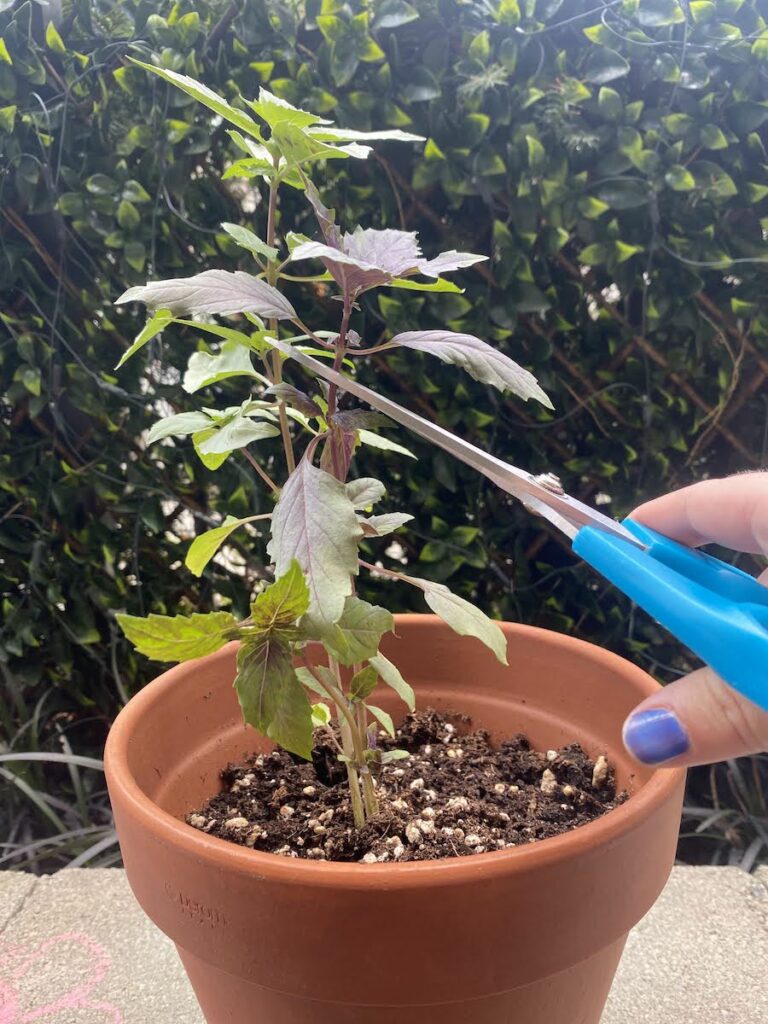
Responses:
[271,697]
[610,104]
[203,548]
[135,255]
[630,141]
[383,443]
[702,10]
[680,179]
[599,35]
[8,118]
[623,194]
[537,155]
[135,192]
[71,204]
[178,637]
[363,683]
[462,617]
[204,368]
[393,14]
[212,462]
[508,12]
[207,97]
[605,65]
[390,675]
[440,285]
[593,255]
[365,491]
[277,111]
[592,208]
[421,87]
[678,124]
[742,308]
[387,756]
[5,56]
[747,116]
[321,715]
[712,137]
[711,178]
[320,680]
[30,377]
[314,522]
[480,47]
[128,216]
[248,240]
[357,634]
[101,185]
[622,252]
[633,111]
[159,321]
[239,432]
[755,192]
[180,425]
[383,717]
[658,13]
[284,602]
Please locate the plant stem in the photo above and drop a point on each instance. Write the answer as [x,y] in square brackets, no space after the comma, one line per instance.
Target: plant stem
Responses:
[369,791]
[350,740]
[310,333]
[341,347]
[358,808]
[262,472]
[370,800]
[277,366]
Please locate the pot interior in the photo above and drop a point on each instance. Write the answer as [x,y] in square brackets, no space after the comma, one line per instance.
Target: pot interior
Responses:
[555,690]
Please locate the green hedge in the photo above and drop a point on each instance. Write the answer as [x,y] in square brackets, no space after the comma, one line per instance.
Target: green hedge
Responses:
[611,158]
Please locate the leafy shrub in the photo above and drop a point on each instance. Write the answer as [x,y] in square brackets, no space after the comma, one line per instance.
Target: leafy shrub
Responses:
[612,160]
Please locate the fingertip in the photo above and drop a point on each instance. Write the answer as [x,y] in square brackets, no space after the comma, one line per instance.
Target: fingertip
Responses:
[654,736]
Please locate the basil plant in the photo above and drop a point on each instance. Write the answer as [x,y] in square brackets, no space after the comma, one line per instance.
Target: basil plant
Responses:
[319,515]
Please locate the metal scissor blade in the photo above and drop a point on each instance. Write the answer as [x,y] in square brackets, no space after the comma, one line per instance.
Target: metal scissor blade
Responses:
[524,486]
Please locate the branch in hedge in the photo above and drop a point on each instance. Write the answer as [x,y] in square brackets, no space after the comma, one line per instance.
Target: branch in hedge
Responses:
[660,360]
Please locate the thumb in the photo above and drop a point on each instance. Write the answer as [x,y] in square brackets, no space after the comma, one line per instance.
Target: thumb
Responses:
[696,720]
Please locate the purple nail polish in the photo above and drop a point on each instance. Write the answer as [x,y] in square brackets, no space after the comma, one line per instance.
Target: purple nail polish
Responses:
[655,736]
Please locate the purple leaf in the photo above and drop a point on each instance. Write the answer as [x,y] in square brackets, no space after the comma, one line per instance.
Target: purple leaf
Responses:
[325,217]
[360,419]
[396,252]
[298,399]
[213,291]
[478,358]
[338,450]
[350,135]
[366,258]
[314,522]
[448,261]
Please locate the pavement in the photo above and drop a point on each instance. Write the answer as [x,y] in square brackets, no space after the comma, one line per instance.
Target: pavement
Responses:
[75,948]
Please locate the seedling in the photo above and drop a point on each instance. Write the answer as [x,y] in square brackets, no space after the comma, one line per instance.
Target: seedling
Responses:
[319,516]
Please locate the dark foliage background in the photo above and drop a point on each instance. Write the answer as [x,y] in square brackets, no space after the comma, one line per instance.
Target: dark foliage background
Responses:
[611,158]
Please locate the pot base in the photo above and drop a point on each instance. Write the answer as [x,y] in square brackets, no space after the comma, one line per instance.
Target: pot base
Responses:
[581,989]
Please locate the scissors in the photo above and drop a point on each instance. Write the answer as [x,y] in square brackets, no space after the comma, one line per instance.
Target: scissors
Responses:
[715,609]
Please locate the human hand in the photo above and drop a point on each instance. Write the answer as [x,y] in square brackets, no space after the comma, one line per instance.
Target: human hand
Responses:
[699,719]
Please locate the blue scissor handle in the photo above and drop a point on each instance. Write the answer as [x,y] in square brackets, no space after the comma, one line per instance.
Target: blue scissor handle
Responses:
[718,611]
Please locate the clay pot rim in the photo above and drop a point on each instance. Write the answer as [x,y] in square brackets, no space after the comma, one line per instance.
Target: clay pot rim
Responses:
[411,874]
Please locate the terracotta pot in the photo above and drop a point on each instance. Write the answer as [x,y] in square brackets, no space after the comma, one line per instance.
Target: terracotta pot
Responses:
[531,935]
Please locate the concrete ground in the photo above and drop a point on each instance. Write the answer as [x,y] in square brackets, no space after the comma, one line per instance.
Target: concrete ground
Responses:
[75,948]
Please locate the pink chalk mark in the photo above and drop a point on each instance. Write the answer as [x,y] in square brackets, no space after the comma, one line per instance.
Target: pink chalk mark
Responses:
[17,978]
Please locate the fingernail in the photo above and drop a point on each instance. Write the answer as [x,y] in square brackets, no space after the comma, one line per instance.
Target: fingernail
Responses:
[655,736]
